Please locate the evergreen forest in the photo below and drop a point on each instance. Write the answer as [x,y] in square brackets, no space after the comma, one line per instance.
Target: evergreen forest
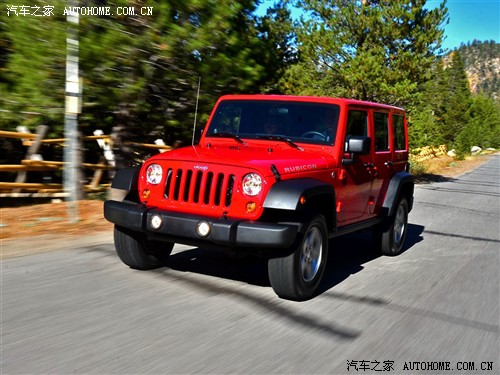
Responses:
[140,74]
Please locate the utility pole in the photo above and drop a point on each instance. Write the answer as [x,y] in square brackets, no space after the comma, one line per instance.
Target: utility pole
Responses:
[72,109]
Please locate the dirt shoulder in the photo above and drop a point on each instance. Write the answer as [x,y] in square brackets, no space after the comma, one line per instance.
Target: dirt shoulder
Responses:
[45,227]
[444,167]
[23,229]
[52,218]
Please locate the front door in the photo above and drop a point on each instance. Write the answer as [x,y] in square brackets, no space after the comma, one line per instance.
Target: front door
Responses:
[383,157]
[355,193]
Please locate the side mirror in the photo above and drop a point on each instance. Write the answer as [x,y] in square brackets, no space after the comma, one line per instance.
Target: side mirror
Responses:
[356,144]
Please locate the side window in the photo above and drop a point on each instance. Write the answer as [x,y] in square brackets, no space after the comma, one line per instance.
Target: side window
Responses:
[357,123]
[381,122]
[398,124]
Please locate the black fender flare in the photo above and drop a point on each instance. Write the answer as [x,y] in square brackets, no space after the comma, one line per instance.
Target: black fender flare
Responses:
[285,195]
[401,182]
[126,179]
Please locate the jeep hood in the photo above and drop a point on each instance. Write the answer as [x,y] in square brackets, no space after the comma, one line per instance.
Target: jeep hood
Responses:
[259,157]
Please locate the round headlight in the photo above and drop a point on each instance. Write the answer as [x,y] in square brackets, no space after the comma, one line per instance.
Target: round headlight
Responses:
[154,174]
[252,184]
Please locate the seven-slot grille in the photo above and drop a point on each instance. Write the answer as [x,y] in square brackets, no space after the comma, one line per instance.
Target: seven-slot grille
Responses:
[199,186]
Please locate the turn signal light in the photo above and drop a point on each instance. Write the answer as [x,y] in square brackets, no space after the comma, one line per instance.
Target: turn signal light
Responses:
[146,193]
[251,206]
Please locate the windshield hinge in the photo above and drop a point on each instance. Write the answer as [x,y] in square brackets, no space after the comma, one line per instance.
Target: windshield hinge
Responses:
[276,174]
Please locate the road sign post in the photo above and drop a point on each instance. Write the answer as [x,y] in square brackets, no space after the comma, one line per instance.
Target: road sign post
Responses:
[72,186]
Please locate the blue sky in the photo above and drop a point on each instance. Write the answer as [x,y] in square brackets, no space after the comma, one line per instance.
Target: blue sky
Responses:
[469,20]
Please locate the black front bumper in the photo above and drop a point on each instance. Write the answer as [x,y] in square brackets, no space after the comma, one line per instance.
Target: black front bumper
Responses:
[181,228]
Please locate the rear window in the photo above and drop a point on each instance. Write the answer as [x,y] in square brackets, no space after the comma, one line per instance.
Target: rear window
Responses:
[398,124]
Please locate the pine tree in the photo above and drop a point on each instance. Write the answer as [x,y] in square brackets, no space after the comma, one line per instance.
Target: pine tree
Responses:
[426,115]
[483,127]
[370,50]
[138,72]
[423,130]
[32,71]
[481,63]
[457,100]
[278,45]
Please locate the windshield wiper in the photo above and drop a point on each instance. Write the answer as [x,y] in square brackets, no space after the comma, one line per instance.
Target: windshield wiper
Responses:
[228,135]
[282,139]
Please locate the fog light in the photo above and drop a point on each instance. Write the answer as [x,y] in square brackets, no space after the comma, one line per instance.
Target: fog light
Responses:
[156,221]
[203,228]
[146,193]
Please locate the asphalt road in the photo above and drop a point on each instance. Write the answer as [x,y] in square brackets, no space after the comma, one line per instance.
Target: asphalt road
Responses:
[434,307]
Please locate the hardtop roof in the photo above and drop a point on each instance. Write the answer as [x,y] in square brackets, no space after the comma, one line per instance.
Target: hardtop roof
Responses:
[314,99]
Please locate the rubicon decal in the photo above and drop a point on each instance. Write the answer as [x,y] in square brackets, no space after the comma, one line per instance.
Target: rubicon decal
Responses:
[298,168]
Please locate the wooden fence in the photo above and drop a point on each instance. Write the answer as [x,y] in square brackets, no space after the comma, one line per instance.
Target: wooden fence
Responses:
[33,162]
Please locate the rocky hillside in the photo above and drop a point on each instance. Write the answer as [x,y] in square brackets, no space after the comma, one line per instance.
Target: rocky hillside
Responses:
[482,64]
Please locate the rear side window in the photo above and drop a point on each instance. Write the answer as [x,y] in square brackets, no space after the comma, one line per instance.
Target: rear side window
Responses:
[398,124]
[381,121]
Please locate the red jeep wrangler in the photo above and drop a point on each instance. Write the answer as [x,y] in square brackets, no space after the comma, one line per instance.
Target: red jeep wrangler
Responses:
[275,176]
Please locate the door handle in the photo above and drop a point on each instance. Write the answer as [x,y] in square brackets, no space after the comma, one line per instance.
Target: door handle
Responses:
[371,169]
[388,163]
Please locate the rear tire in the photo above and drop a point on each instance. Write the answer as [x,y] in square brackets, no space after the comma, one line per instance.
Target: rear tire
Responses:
[137,252]
[393,234]
[298,275]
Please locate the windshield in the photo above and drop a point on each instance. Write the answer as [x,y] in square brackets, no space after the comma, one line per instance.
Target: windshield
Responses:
[258,119]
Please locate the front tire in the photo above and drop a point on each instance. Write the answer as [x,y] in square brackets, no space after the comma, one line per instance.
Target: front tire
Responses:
[137,252]
[298,275]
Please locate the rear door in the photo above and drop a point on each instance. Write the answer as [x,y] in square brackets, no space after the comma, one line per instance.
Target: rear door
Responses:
[391,151]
